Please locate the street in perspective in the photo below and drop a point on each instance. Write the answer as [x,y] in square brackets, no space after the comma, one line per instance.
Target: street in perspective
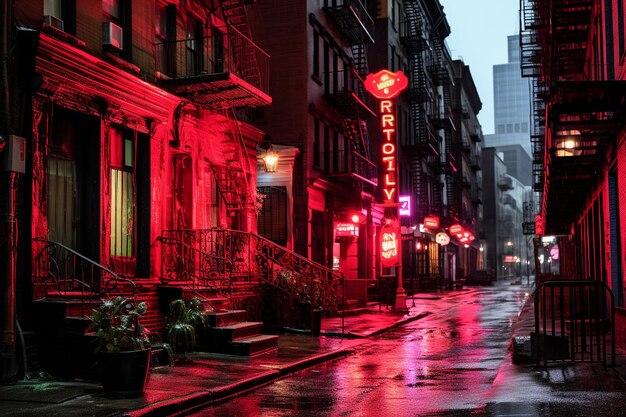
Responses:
[455,361]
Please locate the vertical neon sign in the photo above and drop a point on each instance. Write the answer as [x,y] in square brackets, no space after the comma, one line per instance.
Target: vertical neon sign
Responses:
[385,86]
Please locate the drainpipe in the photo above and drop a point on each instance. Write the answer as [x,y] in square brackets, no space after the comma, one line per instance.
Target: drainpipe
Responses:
[8,361]
[4,67]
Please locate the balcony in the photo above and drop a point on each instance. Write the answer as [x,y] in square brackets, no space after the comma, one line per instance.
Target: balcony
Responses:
[508,199]
[475,163]
[223,69]
[443,121]
[345,90]
[505,183]
[352,19]
[349,164]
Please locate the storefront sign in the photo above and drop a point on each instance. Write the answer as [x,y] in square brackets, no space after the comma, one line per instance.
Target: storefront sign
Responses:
[346,229]
[442,238]
[455,229]
[390,246]
[386,85]
[405,205]
[510,259]
[431,222]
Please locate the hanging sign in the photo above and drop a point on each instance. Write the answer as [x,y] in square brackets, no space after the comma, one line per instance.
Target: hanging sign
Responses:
[431,222]
[389,246]
[386,84]
[405,205]
[346,229]
[442,238]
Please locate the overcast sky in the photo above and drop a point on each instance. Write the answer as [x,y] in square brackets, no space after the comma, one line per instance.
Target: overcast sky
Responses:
[479,31]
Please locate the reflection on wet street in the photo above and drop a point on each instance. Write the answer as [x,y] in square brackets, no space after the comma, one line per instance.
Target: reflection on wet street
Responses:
[453,362]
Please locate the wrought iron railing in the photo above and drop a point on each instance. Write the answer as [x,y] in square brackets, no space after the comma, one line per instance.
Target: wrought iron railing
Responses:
[61,271]
[252,259]
[348,162]
[217,53]
[348,83]
[182,261]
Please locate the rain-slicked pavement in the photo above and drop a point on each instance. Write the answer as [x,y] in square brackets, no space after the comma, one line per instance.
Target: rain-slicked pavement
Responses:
[453,362]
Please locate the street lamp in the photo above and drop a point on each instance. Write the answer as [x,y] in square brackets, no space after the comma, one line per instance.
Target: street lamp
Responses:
[270,159]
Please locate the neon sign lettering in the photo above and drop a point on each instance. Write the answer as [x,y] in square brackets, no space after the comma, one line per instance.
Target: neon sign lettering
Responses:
[389,150]
[389,246]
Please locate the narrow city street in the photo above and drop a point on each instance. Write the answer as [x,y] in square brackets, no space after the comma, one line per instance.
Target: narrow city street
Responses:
[454,362]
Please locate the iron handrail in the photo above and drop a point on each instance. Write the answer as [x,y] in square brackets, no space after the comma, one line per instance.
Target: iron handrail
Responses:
[96,286]
[204,257]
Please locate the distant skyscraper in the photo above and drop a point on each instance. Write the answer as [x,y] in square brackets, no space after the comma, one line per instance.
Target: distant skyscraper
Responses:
[511,103]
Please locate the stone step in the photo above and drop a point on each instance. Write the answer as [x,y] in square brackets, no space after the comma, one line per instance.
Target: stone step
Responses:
[225,317]
[237,331]
[255,345]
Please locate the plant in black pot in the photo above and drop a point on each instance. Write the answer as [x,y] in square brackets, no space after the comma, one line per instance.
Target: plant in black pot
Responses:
[183,319]
[123,357]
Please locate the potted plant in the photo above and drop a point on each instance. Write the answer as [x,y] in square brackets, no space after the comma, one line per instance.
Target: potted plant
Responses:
[185,319]
[123,358]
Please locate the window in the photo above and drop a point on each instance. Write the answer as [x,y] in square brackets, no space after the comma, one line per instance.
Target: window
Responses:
[316,54]
[316,143]
[165,33]
[64,10]
[123,219]
[119,12]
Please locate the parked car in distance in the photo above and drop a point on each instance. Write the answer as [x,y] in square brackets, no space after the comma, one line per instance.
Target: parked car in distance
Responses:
[480,277]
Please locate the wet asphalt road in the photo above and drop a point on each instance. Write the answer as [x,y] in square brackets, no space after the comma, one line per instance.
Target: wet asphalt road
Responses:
[453,362]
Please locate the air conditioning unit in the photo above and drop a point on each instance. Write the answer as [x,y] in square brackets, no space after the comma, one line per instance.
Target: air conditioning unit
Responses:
[112,35]
[53,21]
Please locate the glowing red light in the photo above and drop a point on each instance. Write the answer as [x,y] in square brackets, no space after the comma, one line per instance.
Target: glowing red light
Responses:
[455,229]
[386,84]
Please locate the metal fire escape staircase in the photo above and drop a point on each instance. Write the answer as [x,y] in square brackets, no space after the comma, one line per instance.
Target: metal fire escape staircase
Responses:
[415,44]
[354,22]
[233,178]
[234,13]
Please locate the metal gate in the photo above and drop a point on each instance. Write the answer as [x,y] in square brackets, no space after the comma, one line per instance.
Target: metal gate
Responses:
[574,321]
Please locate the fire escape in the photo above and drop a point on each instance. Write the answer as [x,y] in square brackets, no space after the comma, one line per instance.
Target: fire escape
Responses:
[575,105]
[348,93]
[221,71]
[426,161]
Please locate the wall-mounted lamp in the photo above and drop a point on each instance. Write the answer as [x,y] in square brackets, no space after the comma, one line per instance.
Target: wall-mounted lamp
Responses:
[270,159]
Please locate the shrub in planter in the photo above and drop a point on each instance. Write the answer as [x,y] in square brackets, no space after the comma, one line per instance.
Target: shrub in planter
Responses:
[123,358]
[185,320]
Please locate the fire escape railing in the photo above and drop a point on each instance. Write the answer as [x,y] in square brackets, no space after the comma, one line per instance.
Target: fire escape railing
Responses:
[342,163]
[217,53]
[256,259]
[63,272]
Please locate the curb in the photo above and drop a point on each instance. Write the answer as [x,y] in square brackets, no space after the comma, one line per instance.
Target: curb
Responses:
[201,399]
[398,324]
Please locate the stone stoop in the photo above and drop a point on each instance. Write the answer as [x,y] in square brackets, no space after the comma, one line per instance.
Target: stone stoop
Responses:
[65,347]
[229,333]
[353,308]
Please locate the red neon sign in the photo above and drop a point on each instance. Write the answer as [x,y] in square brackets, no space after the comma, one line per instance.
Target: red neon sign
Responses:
[389,247]
[456,229]
[386,84]
[389,151]
[346,229]
[431,222]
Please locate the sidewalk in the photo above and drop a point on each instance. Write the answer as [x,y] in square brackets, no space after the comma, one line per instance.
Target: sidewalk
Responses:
[207,377]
